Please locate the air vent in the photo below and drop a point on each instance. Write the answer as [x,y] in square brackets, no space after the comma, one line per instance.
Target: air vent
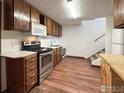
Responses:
[69,0]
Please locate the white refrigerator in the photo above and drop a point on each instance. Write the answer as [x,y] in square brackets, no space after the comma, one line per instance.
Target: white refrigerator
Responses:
[117,42]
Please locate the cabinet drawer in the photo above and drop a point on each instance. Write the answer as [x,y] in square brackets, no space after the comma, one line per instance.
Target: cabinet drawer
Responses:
[29,68]
[31,75]
[30,61]
[30,84]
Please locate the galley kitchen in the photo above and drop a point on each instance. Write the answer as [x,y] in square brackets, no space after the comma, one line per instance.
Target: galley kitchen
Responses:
[61,46]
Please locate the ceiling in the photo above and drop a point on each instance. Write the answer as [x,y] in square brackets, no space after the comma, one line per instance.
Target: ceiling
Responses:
[84,9]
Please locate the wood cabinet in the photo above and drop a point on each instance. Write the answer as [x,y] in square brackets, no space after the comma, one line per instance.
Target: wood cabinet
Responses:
[35,15]
[54,57]
[57,55]
[49,25]
[16,15]
[60,31]
[118,83]
[54,29]
[106,77]
[21,74]
[118,13]
[57,29]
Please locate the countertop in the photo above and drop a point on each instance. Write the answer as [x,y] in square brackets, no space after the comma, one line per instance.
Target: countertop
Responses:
[116,62]
[17,54]
[53,47]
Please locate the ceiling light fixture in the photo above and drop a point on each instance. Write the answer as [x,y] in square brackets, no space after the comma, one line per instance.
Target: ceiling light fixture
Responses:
[71,8]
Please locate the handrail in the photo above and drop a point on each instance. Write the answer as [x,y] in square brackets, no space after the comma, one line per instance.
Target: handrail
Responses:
[99,37]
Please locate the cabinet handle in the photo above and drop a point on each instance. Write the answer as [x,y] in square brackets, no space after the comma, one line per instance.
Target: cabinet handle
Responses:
[33,82]
[32,75]
[32,67]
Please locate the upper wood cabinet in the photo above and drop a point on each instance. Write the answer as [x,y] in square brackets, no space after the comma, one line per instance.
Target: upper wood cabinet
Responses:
[35,15]
[118,13]
[60,31]
[48,23]
[57,29]
[16,15]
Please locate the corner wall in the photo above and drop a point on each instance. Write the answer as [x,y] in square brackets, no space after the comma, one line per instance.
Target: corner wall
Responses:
[108,40]
[80,39]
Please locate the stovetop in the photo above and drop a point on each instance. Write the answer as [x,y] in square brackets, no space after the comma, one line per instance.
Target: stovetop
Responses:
[39,50]
[35,46]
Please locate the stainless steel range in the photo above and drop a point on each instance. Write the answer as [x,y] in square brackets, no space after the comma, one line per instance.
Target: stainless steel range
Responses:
[45,58]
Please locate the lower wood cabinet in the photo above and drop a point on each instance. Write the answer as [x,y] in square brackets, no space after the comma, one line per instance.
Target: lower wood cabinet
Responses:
[54,57]
[106,78]
[117,83]
[110,81]
[57,55]
[21,74]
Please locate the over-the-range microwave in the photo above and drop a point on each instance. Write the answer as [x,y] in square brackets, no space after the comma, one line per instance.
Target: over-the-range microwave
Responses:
[38,29]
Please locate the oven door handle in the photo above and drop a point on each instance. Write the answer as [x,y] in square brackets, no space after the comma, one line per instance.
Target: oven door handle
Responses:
[44,54]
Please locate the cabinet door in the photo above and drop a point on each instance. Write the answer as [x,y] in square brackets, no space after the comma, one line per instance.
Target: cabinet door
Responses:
[117,83]
[35,15]
[54,29]
[21,15]
[108,80]
[103,74]
[30,71]
[60,31]
[49,26]
[59,54]
[57,30]
[118,13]
[106,77]
[54,57]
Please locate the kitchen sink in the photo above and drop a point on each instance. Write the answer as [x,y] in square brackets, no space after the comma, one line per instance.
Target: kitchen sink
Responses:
[54,45]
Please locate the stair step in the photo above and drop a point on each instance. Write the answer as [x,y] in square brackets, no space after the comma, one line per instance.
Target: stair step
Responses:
[96,62]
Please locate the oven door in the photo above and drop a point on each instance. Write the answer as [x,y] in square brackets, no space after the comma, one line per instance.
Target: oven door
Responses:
[45,61]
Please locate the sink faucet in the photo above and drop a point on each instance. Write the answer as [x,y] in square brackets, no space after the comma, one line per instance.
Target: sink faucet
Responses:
[52,41]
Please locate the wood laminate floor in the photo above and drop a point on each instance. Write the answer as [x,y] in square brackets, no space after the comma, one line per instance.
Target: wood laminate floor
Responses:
[72,75]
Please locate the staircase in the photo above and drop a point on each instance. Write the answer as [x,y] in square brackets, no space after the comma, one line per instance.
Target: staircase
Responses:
[95,59]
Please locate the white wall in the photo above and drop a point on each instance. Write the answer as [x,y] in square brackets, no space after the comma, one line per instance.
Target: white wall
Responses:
[79,39]
[108,38]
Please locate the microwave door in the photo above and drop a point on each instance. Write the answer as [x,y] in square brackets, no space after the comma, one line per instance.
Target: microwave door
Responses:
[38,29]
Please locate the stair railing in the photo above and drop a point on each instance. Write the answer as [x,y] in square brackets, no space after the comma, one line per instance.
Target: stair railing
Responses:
[99,37]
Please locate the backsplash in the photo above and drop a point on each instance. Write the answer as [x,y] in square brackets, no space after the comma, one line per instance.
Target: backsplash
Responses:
[11,41]
[47,41]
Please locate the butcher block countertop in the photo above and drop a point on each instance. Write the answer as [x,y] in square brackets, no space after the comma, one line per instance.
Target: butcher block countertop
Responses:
[116,62]
[17,54]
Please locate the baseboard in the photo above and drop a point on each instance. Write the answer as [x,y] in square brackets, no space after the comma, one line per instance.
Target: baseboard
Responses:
[95,66]
[75,57]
